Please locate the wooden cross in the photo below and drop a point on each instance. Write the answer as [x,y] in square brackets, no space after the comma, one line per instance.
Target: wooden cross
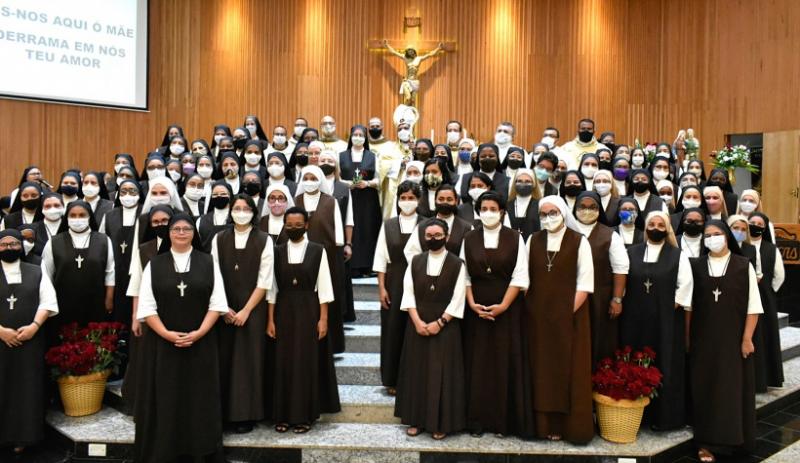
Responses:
[182,287]
[716,294]
[647,285]
[79,260]
[11,300]
[123,246]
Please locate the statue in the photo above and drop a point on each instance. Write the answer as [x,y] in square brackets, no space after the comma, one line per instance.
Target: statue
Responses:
[410,85]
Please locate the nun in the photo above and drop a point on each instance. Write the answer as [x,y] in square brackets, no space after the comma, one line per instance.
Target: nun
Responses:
[523,204]
[217,218]
[27,208]
[27,300]
[182,294]
[557,326]
[629,222]
[643,190]
[689,234]
[446,210]
[95,193]
[278,200]
[489,163]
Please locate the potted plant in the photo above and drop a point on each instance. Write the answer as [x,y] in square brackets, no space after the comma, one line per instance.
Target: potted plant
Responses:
[622,388]
[82,363]
[736,160]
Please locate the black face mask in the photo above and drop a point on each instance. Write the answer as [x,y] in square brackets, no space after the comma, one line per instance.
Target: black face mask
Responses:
[435,244]
[572,190]
[161,231]
[605,165]
[422,157]
[641,187]
[514,163]
[488,164]
[756,231]
[656,236]
[239,143]
[219,202]
[11,255]
[585,137]
[31,204]
[295,234]
[252,188]
[69,190]
[524,189]
[612,146]
[692,228]
[375,133]
[327,169]
[302,160]
[446,209]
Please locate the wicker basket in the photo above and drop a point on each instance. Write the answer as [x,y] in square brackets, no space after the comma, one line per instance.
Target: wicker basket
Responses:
[83,395]
[619,420]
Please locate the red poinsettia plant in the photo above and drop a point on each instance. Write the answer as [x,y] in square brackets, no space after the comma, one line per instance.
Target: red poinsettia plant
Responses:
[84,350]
[631,375]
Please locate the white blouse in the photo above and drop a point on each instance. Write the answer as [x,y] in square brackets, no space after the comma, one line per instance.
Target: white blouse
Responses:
[642,199]
[135,271]
[683,292]
[585,279]
[627,232]
[617,254]
[265,272]
[147,301]
[274,225]
[434,268]
[718,267]
[52,227]
[692,245]
[621,186]
[408,224]
[47,293]
[324,286]
[779,271]
[79,241]
[519,277]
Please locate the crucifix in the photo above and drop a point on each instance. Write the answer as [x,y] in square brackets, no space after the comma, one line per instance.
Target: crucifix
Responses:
[79,260]
[717,293]
[11,300]
[647,285]
[123,246]
[182,287]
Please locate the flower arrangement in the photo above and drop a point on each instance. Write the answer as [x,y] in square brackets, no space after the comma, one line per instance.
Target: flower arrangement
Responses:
[630,376]
[82,351]
[649,149]
[732,157]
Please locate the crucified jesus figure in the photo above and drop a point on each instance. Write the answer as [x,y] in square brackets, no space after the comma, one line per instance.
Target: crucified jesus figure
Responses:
[410,85]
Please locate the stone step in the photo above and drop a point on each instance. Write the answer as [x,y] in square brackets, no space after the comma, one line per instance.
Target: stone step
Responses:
[783,319]
[362,369]
[790,342]
[368,312]
[362,338]
[365,289]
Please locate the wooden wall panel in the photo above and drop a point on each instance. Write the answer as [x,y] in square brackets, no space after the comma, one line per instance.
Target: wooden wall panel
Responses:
[643,68]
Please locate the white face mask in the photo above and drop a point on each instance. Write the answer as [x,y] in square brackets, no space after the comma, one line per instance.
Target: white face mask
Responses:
[78,224]
[408,207]
[176,149]
[453,137]
[217,138]
[275,171]
[128,200]
[414,178]
[502,138]
[279,140]
[696,171]
[252,158]
[90,191]
[660,174]
[690,203]
[588,171]
[490,219]
[242,218]
[637,161]
[118,167]
[476,193]
[160,200]
[54,213]
[747,207]
[251,129]
[667,198]
[155,173]
[404,135]
[551,224]
[27,246]
[174,175]
[194,193]
[549,141]
[329,129]
[715,243]
[311,186]
[357,140]
[298,130]
[205,171]
[201,151]
[602,188]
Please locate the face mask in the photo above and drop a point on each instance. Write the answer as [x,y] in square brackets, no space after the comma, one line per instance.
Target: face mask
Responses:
[605,165]
[436,244]
[524,189]
[218,138]
[641,187]
[747,207]
[446,210]
[414,178]
[692,228]
[662,155]
[490,219]
[277,209]
[219,202]
[327,169]
[328,129]
[549,141]
[188,168]
[153,174]
[572,190]
[78,224]
[69,190]
[200,151]
[585,137]
[176,149]
[160,200]
[476,193]
[502,138]
[239,143]
[295,234]
[407,207]
[588,171]
[310,186]
[375,133]
[488,164]
[161,231]
[464,156]
[627,217]
[756,231]
[696,171]
[53,214]
[129,201]
[242,218]
[298,130]
[302,160]
[739,235]
[712,203]
[357,140]
[690,203]
[252,188]
[205,171]
[404,135]
[433,180]
[252,158]
[231,173]
[587,216]
[514,163]
[541,174]
[251,129]
[453,137]
[715,243]
[552,224]
[656,236]
[637,161]
[194,193]
[602,188]
[279,140]
[118,167]
[174,175]
[667,198]
[28,246]
[660,174]
[620,173]
[11,255]
[31,204]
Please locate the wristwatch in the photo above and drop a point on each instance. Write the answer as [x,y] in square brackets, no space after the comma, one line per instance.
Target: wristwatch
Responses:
[618,300]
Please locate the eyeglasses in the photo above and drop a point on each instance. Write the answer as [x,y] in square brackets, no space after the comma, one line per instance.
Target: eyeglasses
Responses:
[276,200]
[437,236]
[181,230]
[15,245]
[551,214]
[127,192]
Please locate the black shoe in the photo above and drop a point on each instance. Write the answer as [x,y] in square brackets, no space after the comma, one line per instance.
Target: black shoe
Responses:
[243,428]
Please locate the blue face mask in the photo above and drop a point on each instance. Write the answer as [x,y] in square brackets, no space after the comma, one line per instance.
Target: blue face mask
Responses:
[627,217]
[739,235]
[464,156]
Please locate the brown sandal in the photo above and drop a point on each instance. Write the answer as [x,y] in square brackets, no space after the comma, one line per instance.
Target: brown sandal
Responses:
[553,437]
[705,456]
[438,435]
[282,427]
[301,428]
[413,431]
